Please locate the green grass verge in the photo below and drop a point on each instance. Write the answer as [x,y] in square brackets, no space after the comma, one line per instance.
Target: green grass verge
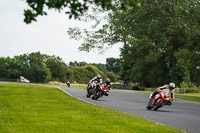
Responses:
[34,109]
[84,86]
[189,96]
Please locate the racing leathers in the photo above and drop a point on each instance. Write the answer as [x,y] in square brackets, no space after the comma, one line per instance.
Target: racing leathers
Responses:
[171,91]
[99,80]
[105,90]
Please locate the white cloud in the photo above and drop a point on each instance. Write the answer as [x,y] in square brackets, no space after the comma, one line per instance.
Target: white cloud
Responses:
[48,35]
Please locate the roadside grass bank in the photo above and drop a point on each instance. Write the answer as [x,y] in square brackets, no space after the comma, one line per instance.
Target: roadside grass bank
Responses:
[34,109]
[72,85]
[52,83]
[189,96]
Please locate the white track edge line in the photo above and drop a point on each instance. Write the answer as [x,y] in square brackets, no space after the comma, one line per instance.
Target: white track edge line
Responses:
[73,96]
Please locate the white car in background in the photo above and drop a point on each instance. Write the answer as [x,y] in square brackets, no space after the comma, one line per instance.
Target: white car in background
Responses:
[24,80]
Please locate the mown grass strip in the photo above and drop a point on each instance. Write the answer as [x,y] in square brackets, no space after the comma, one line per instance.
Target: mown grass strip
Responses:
[33,109]
[191,96]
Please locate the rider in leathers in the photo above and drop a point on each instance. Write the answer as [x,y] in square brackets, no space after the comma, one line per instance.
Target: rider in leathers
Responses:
[107,83]
[171,87]
[96,78]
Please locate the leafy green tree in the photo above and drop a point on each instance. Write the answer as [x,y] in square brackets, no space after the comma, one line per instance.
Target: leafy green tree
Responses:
[37,68]
[100,66]
[57,68]
[154,35]
[186,69]
[73,64]
[8,68]
[82,63]
[113,32]
[113,65]
[70,75]
[75,8]
[13,71]
[22,63]
[3,67]
[86,73]
[161,30]
[112,76]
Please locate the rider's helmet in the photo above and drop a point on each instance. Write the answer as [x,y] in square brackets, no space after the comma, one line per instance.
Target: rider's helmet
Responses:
[108,81]
[171,85]
[98,76]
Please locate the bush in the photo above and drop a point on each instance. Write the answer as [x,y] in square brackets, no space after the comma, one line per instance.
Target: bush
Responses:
[183,85]
[187,85]
[112,76]
[191,90]
[84,74]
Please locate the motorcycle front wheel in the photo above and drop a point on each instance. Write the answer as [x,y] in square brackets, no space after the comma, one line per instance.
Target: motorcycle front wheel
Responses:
[95,96]
[158,104]
[149,105]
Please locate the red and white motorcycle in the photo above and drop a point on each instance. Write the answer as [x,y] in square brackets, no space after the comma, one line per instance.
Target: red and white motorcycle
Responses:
[90,88]
[100,90]
[162,98]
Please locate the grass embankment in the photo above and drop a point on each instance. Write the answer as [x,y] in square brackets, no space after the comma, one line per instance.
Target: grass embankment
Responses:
[71,85]
[33,109]
[189,96]
[51,83]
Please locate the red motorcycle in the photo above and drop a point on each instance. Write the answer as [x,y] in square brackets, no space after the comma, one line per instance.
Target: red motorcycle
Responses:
[106,89]
[100,90]
[90,88]
[162,98]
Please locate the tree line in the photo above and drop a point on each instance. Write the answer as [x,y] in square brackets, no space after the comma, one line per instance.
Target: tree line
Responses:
[161,40]
[41,68]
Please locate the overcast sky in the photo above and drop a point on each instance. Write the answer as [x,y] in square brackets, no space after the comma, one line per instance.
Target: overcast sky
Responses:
[48,35]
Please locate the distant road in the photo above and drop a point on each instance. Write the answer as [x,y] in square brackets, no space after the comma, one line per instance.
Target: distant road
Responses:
[184,115]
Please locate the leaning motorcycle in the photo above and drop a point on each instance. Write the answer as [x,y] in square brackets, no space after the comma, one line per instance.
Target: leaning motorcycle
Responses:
[106,89]
[90,88]
[68,84]
[162,98]
[98,92]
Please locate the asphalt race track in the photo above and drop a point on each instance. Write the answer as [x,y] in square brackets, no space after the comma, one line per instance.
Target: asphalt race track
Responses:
[182,114]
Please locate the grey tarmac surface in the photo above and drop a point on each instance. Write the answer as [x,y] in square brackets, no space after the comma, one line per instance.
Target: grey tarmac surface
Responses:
[182,114]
